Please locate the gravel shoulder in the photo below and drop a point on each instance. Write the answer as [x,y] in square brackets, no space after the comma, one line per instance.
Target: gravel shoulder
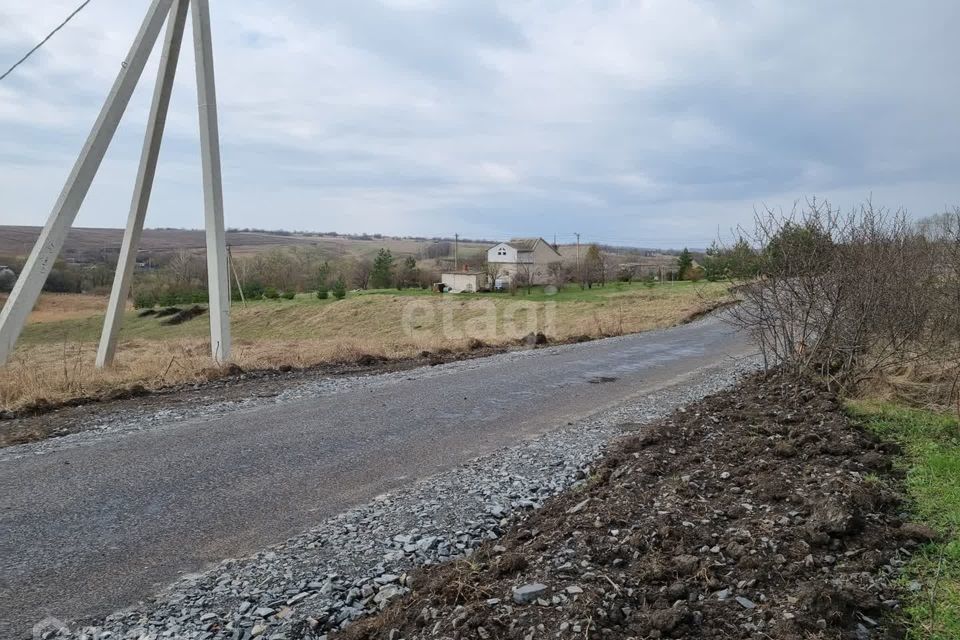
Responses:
[360,561]
[760,512]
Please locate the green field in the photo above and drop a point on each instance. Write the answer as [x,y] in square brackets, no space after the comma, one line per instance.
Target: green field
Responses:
[54,359]
[931,444]
[302,317]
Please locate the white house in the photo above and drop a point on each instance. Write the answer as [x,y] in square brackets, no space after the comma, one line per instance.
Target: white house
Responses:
[524,257]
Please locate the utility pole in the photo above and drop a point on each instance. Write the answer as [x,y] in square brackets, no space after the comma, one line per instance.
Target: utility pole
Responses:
[144,185]
[48,245]
[218,275]
[579,275]
[456,252]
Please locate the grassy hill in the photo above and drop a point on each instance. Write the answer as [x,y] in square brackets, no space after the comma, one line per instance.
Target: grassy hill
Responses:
[91,243]
[54,359]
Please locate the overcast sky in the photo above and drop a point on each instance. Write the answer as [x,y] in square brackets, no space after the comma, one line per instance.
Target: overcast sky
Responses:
[645,122]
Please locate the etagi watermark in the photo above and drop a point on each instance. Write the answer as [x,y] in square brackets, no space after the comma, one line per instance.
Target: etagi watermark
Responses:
[483,319]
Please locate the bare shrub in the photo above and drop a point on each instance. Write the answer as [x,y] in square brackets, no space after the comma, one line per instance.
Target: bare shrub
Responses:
[849,296]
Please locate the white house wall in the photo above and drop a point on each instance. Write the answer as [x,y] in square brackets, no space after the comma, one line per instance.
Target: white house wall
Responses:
[509,254]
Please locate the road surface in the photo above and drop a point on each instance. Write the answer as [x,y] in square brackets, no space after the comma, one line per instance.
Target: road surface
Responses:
[86,530]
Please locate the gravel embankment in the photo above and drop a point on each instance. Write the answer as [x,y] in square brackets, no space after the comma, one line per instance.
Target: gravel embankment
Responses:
[754,514]
[356,563]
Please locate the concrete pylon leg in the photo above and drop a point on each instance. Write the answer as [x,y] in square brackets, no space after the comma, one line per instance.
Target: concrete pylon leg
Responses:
[218,278]
[45,251]
[144,184]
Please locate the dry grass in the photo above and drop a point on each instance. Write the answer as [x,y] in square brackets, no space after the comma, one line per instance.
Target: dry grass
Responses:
[55,360]
[56,373]
[925,383]
[56,307]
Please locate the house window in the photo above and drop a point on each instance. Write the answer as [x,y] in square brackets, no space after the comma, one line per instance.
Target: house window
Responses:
[501,251]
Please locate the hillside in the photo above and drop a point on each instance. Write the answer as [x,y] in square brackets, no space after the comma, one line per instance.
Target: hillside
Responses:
[85,244]
[93,244]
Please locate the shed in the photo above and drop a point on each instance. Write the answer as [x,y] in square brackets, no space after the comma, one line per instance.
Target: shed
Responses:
[465,281]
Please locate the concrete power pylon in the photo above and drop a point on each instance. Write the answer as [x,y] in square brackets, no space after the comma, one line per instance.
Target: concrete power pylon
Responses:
[37,268]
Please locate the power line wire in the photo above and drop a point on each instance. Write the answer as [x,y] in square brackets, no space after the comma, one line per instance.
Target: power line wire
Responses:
[44,41]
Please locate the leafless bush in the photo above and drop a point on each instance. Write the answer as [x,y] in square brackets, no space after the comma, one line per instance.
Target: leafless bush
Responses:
[847,296]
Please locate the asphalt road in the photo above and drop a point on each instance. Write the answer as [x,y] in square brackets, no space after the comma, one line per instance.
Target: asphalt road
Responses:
[90,529]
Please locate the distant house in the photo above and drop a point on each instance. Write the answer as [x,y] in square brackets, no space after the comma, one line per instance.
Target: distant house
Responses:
[465,281]
[522,258]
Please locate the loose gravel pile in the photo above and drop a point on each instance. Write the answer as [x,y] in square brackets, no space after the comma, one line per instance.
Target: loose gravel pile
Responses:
[752,514]
[360,562]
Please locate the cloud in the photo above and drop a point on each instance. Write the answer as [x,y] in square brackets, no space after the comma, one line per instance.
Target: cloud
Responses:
[656,122]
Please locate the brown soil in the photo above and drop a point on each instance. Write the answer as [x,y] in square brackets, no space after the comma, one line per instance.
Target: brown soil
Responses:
[752,514]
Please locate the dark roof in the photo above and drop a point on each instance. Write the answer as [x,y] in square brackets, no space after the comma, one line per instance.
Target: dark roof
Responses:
[527,245]
[523,245]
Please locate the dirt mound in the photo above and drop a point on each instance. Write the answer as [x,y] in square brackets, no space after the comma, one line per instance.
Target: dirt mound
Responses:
[184,315]
[167,311]
[751,514]
[534,339]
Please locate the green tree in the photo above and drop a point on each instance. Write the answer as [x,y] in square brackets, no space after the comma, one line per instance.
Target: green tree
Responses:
[715,263]
[409,273]
[339,288]
[739,262]
[7,280]
[592,266]
[382,275]
[684,264]
[322,278]
[798,249]
[742,261]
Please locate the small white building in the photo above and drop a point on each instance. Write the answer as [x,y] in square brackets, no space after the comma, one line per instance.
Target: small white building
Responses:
[465,281]
[527,257]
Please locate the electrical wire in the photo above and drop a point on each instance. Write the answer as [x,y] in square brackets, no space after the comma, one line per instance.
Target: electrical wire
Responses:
[44,41]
